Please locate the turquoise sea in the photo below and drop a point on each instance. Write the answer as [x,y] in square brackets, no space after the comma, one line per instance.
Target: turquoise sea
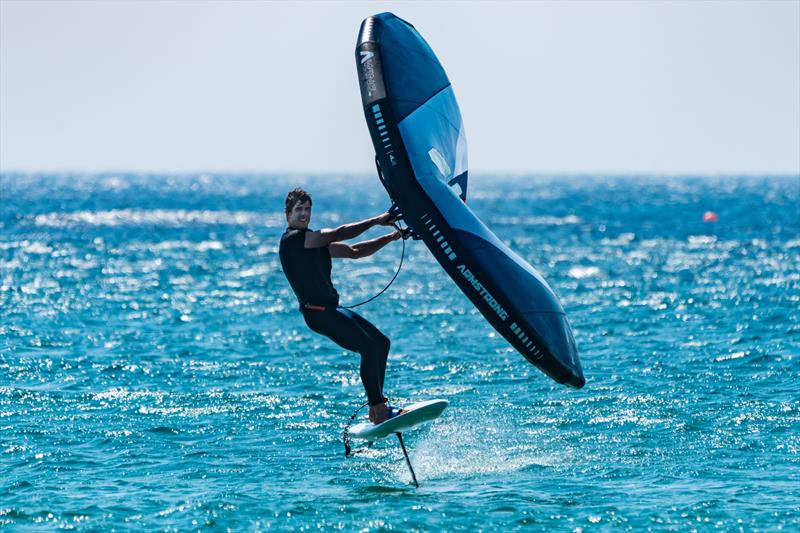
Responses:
[155,373]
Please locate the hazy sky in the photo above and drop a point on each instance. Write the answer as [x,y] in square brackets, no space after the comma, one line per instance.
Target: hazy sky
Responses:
[605,87]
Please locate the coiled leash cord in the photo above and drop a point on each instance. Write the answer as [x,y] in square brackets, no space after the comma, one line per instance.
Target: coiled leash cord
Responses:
[347,451]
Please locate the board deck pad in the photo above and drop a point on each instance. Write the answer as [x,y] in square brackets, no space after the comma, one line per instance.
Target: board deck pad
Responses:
[414,415]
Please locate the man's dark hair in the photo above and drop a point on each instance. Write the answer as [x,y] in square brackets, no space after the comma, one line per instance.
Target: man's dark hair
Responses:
[295,196]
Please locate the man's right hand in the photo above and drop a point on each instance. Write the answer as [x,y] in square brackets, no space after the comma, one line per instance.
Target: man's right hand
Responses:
[405,233]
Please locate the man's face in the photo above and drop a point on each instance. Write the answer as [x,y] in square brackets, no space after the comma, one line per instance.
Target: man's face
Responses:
[300,215]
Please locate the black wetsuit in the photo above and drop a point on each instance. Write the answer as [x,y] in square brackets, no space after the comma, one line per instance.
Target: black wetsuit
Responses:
[309,273]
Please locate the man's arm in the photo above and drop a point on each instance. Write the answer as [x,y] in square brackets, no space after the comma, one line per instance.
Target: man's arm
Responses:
[324,237]
[363,248]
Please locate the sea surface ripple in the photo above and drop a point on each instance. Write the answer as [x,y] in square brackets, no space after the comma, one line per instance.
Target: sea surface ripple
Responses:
[155,373]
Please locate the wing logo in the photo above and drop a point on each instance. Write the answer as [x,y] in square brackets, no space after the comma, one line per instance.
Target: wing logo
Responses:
[368,68]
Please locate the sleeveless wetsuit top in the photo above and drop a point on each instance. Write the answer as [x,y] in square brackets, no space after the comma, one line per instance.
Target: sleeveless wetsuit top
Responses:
[307,269]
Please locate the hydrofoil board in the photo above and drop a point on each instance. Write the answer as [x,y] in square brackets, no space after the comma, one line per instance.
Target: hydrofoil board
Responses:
[413,415]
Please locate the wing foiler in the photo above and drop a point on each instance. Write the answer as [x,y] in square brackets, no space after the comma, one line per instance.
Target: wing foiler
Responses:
[421,149]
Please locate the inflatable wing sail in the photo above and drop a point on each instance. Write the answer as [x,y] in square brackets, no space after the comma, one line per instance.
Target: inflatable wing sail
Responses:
[416,128]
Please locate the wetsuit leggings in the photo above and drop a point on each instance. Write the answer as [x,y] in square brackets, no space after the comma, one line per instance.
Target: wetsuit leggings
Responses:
[353,332]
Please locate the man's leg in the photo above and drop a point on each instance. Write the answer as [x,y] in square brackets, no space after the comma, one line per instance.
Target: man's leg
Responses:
[345,331]
[381,341]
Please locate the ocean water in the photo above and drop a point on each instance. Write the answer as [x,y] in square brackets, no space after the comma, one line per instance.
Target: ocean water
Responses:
[156,375]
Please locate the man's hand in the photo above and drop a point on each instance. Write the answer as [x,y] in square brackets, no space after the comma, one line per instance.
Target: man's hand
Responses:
[405,233]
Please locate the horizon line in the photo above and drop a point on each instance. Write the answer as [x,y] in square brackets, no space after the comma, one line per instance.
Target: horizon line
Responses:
[240,172]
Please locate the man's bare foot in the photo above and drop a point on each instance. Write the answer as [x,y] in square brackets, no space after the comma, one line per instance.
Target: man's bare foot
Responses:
[378,413]
[381,413]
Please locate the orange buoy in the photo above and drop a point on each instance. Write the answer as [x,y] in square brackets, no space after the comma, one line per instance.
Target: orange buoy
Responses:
[710,216]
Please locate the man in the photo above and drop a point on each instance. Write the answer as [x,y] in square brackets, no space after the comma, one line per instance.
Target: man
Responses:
[306,260]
